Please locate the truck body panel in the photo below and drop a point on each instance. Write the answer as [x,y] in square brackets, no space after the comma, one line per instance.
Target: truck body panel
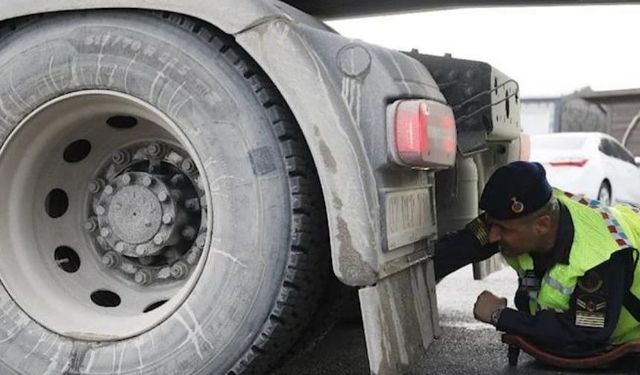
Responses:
[382,217]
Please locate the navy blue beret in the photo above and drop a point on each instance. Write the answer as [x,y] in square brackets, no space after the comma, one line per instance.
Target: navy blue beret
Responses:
[515,190]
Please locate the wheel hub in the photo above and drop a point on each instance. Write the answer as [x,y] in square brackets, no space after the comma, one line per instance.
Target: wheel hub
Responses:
[145,212]
[139,217]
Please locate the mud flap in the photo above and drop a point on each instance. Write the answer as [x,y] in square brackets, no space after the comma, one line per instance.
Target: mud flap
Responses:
[400,317]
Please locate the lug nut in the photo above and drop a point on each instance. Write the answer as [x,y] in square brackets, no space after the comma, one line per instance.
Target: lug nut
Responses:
[158,239]
[188,233]
[142,277]
[91,225]
[126,179]
[111,259]
[162,196]
[147,181]
[140,249]
[100,210]
[121,157]
[200,242]
[108,189]
[105,232]
[120,247]
[177,180]
[192,204]
[96,185]
[145,261]
[188,166]
[155,150]
[179,270]
[167,219]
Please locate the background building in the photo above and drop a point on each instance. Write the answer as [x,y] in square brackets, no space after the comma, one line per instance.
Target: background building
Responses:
[585,110]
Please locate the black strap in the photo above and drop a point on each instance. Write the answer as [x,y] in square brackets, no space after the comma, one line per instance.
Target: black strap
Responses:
[631,302]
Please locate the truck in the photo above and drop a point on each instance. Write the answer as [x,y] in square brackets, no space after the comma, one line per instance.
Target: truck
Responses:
[191,187]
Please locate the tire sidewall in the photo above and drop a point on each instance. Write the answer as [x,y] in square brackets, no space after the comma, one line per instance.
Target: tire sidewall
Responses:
[218,113]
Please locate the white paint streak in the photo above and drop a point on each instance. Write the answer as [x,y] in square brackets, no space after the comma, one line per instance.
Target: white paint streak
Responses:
[195,333]
[175,110]
[113,362]
[113,71]
[176,93]
[229,256]
[126,71]
[40,340]
[89,365]
[99,65]
[157,79]
[138,345]
[53,80]
[124,348]
[54,362]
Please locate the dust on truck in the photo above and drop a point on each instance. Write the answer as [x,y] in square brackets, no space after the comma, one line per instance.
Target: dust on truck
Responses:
[188,187]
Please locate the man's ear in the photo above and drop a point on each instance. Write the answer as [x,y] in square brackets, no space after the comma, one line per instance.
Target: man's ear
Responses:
[543,224]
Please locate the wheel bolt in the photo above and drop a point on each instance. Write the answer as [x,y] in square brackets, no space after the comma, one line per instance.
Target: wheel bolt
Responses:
[111,259]
[192,204]
[96,185]
[155,150]
[121,157]
[142,277]
[105,232]
[179,270]
[188,166]
[158,239]
[167,219]
[100,210]
[126,179]
[147,181]
[200,241]
[108,189]
[188,233]
[162,196]
[120,247]
[177,180]
[145,261]
[91,225]
[141,249]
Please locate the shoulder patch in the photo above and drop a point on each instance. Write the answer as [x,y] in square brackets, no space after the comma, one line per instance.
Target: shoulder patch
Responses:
[590,311]
[590,282]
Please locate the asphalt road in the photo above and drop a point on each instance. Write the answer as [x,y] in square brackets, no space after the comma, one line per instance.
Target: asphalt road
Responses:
[466,346]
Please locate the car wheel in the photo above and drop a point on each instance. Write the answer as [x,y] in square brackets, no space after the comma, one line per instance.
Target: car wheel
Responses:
[604,194]
[160,211]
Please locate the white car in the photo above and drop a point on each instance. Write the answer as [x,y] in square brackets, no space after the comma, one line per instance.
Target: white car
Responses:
[593,164]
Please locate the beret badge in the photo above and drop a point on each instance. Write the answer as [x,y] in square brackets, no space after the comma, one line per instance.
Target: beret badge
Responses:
[517,206]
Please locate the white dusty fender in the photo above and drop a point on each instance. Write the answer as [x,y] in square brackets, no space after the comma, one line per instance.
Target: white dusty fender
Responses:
[273,34]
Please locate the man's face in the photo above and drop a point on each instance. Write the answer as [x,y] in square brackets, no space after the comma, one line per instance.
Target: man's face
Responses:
[515,237]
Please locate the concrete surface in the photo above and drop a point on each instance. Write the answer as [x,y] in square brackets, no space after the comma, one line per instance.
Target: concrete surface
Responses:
[466,346]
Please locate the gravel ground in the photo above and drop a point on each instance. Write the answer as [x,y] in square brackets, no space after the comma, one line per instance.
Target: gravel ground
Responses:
[466,346]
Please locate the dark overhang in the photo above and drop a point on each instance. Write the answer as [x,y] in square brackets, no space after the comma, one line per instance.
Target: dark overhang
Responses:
[352,8]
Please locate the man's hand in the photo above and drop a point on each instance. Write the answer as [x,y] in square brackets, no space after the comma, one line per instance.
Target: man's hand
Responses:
[486,304]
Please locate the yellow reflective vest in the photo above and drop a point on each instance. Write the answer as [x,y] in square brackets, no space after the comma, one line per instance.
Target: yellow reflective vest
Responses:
[599,232]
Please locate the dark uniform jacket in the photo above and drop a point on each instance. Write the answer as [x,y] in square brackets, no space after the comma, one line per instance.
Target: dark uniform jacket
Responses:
[554,331]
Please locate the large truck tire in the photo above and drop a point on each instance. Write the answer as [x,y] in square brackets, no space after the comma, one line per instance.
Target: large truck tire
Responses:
[159,210]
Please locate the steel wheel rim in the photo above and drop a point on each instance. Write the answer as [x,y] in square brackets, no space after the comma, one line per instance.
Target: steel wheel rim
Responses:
[102,299]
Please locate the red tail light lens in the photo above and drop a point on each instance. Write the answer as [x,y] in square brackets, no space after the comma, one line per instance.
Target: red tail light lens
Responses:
[569,163]
[422,134]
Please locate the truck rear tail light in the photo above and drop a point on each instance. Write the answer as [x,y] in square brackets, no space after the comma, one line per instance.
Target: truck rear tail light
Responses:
[569,163]
[422,134]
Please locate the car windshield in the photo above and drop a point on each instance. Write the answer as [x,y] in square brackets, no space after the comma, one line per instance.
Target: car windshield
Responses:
[557,142]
